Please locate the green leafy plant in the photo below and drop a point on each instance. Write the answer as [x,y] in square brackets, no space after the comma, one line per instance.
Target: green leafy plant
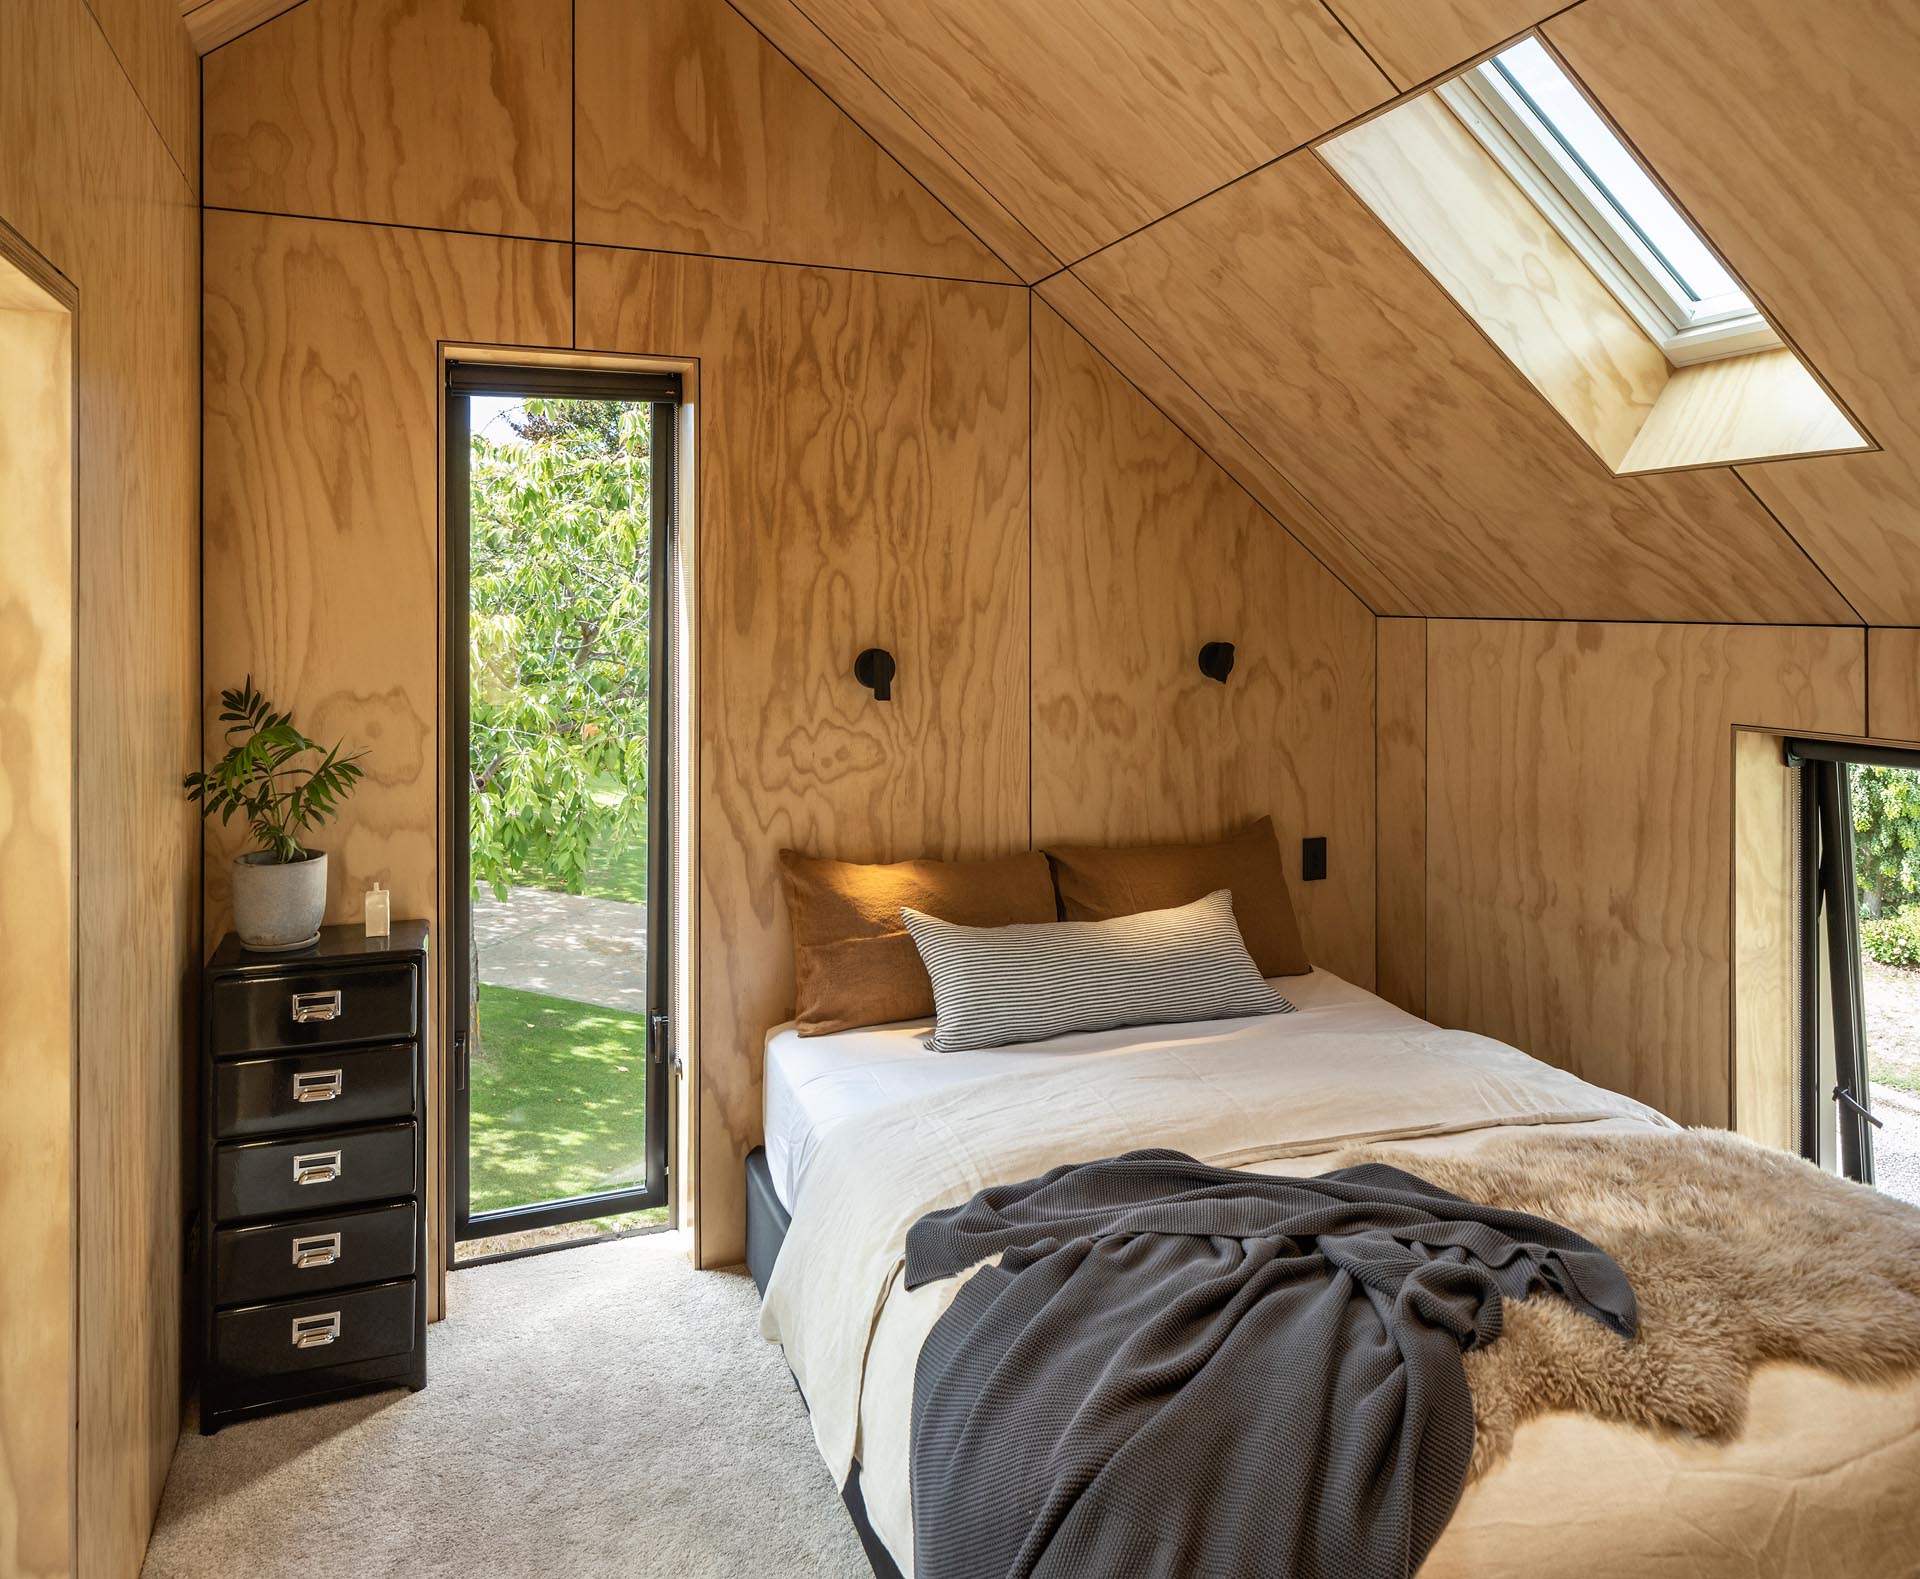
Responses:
[560,646]
[260,777]
[1886,835]
[1894,939]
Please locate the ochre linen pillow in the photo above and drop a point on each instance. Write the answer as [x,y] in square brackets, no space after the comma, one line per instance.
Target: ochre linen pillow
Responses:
[1098,882]
[853,962]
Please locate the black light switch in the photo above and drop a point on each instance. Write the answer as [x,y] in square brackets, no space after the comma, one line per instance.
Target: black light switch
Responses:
[1313,860]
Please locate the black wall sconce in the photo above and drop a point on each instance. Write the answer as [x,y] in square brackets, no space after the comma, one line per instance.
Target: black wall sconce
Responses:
[874,669]
[1216,660]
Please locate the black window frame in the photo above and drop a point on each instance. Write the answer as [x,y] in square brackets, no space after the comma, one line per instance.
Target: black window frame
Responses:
[1829,914]
[663,392]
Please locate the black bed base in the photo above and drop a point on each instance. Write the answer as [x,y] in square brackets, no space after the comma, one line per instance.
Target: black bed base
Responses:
[767,1224]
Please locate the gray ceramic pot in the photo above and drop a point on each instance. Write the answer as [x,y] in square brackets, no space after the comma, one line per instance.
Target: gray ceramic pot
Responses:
[278,906]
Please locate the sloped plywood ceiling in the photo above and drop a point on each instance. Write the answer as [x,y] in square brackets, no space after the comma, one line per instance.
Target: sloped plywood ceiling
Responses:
[1149,167]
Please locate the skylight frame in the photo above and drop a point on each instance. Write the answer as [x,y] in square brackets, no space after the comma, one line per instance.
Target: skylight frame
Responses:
[1543,164]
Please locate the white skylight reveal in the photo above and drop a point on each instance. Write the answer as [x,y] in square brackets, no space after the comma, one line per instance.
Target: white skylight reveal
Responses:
[1531,117]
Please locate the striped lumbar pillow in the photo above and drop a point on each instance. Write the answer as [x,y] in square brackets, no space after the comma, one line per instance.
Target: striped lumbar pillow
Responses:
[994,986]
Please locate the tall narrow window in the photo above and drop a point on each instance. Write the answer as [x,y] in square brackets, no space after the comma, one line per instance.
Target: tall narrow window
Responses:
[560,519]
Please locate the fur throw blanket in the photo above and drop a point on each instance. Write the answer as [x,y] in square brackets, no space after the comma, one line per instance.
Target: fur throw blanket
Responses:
[1738,1255]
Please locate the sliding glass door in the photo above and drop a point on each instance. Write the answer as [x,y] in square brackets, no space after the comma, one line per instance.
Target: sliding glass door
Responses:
[559,511]
[1859,1097]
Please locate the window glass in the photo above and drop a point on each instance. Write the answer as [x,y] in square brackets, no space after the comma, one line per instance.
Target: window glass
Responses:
[1586,140]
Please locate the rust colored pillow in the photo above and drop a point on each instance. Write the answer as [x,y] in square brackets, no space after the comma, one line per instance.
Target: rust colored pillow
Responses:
[1099,882]
[853,961]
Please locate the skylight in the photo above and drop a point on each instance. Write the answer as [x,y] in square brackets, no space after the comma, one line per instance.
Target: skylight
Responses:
[1533,119]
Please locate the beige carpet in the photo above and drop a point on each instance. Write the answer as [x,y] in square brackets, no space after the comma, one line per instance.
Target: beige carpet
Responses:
[600,1411]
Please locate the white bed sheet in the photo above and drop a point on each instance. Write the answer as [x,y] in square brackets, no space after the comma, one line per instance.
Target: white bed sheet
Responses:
[813,1083]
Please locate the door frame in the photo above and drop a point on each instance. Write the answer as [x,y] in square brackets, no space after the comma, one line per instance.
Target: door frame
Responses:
[467,375]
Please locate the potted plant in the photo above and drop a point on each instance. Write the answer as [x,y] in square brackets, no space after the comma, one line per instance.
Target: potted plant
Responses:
[279,890]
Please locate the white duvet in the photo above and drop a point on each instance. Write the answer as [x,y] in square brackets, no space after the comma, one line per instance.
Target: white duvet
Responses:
[1347,1069]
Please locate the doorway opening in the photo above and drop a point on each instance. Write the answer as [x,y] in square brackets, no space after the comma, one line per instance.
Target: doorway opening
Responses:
[38,915]
[560,513]
[1859,1063]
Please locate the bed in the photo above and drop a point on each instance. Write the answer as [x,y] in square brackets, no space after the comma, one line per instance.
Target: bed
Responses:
[867,1130]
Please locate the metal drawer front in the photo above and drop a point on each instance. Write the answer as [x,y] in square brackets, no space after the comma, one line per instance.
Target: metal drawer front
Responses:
[286,1091]
[315,1172]
[297,1009]
[313,1254]
[261,1341]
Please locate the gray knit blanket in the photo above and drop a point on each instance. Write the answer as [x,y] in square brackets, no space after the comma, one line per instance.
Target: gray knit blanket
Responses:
[1182,1370]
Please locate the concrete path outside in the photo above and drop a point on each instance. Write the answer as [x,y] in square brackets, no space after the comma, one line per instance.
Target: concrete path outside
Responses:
[564,945]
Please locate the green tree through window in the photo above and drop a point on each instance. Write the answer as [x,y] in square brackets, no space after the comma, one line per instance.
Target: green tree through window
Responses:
[560,643]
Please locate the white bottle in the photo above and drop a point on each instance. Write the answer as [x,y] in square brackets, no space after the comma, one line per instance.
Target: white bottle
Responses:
[379,910]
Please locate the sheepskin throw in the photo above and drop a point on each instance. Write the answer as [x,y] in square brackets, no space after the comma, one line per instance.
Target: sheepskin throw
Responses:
[1737,1254]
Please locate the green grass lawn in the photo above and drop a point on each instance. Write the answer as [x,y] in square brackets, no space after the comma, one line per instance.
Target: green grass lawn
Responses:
[558,1100]
[621,874]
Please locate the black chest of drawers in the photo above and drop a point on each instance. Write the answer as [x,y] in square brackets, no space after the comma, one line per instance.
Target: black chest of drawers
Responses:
[313,1193]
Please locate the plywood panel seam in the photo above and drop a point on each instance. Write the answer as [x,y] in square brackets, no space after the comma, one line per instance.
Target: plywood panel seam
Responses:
[1444,72]
[1352,546]
[1359,43]
[140,99]
[1459,308]
[202,15]
[1741,477]
[958,163]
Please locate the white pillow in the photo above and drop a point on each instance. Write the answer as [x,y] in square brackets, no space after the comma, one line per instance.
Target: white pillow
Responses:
[994,986]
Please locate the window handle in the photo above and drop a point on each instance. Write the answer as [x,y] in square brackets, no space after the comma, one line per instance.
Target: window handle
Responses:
[1842,1094]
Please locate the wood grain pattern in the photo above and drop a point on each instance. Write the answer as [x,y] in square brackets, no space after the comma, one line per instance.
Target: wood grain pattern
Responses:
[1103,329]
[696,135]
[791,31]
[38,585]
[1089,123]
[90,183]
[211,23]
[444,113]
[1893,684]
[137,337]
[863,482]
[1766,960]
[150,41]
[1580,834]
[1400,885]
[1487,243]
[1143,550]
[1774,123]
[1426,39]
[1385,406]
[1741,408]
[323,536]
[1858,516]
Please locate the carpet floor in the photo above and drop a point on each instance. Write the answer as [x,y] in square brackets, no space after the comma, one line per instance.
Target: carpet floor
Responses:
[600,1411]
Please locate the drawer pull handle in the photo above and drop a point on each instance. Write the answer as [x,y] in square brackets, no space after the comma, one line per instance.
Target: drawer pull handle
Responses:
[318,1085]
[316,1250]
[313,1332]
[316,1167]
[311,1006]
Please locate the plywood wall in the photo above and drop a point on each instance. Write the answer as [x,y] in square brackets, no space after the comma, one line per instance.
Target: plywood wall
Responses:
[1144,550]
[863,440]
[37,924]
[97,108]
[863,483]
[1579,834]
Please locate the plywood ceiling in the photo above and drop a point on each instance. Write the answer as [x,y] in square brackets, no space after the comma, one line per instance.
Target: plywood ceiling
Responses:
[1154,152]
[1149,166]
